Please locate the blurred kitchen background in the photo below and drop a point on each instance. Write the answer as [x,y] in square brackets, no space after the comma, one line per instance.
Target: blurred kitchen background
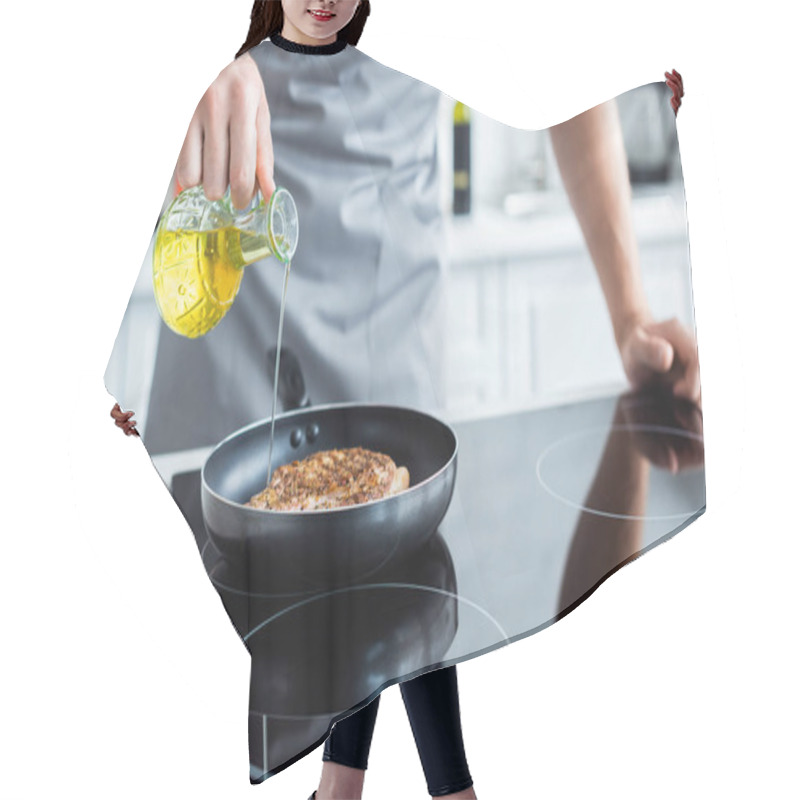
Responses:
[527,324]
[527,320]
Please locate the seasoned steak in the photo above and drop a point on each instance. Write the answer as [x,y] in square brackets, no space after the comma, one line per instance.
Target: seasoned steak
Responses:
[331,479]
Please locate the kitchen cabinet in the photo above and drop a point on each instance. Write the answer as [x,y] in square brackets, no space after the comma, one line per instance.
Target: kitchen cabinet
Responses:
[527,323]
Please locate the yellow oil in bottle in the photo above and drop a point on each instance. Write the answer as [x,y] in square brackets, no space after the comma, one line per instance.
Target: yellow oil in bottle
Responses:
[196,275]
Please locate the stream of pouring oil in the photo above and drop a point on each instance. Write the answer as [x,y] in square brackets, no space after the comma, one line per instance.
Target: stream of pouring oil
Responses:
[277,370]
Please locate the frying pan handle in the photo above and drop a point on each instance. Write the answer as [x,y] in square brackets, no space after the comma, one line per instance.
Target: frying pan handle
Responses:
[291,385]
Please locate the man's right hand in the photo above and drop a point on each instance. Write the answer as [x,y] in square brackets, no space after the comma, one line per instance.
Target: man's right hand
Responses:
[229,140]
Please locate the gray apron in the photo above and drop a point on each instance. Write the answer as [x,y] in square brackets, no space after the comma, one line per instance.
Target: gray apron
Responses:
[355,144]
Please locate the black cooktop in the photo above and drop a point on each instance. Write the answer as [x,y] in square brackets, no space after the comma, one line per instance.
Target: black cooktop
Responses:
[548,503]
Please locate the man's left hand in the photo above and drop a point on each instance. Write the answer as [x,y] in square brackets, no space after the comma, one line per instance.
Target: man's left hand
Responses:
[675,82]
[662,353]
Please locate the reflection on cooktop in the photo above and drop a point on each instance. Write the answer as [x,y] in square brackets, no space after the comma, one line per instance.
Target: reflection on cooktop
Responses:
[550,502]
[568,470]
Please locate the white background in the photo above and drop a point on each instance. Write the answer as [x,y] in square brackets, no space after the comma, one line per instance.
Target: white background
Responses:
[121,674]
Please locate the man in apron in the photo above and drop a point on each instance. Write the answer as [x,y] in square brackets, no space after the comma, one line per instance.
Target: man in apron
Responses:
[355,144]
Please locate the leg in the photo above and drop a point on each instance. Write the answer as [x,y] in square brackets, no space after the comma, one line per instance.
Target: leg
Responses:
[345,755]
[433,711]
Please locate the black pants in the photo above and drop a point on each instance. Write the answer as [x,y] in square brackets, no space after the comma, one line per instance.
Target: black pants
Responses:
[432,706]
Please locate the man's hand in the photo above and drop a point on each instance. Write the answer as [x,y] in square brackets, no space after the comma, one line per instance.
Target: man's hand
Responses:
[661,353]
[229,140]
[675,82]
[124,420]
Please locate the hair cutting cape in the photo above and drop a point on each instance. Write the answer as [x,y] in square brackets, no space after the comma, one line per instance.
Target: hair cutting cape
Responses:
[475,349]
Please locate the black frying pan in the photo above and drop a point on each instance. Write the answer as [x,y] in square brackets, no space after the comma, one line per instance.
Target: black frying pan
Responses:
[330,546]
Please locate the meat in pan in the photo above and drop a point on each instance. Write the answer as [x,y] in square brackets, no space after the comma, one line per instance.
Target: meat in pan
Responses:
[332,479]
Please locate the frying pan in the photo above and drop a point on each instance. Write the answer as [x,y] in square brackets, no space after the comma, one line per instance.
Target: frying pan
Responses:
[305,549]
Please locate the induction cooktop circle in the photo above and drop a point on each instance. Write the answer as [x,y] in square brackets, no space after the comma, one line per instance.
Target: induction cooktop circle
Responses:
[615,471]
[320,655]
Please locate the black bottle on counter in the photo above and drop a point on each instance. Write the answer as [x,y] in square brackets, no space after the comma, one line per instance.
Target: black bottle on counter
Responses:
[462,189]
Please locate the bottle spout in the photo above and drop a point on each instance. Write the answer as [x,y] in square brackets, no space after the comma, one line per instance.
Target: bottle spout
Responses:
[275,224]
[283,225]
